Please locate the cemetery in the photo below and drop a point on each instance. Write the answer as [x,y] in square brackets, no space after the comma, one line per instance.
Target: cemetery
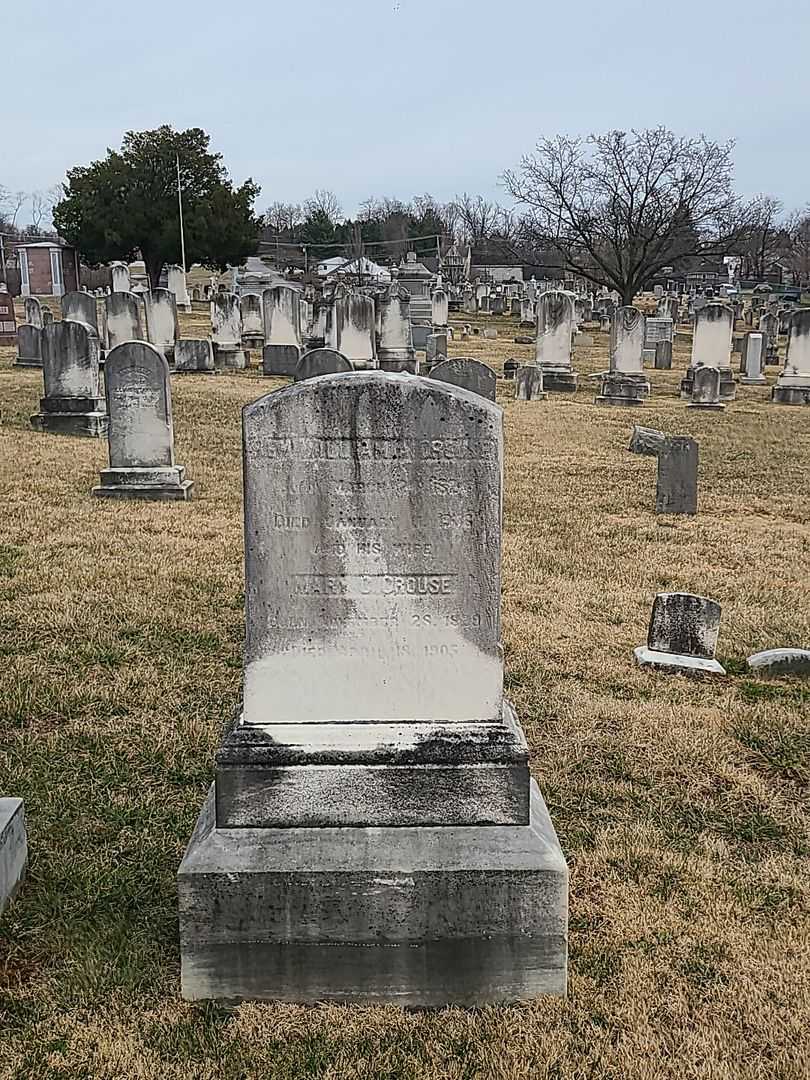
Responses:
[575,799]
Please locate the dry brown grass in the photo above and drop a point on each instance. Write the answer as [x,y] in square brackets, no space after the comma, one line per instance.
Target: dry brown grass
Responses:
[681,806]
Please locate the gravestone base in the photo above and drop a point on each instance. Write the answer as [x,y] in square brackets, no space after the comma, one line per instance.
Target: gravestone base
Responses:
[529,384]
[157,484]
[84,416]
[412,916]
[677,663]
[230,358]
[705,405]
[253,341]
[28,362]
[787,394]
[753,380]
[280,359]
[409,366]
[13,849]
[562,380]
[622,389]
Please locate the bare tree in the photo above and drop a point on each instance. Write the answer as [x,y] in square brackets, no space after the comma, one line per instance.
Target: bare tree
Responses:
[798,252]
[325,203]
[764,239]
[618,208]
[283,217]
[10,205]
[477,217]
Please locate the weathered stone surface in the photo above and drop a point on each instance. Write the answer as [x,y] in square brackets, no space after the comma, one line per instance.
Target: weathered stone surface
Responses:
[226,332]
[781,662]
[468,373]
[663,355]
[281,306]
[121,281]
[618,389]
[162,328]
[318,362]
[141,436]
[793,383]
[682,635]
[644,440]
[80,307]
[33,312]
[529,384]
[123,318]
[753,360]
[251,313]
[70,359]
[29,346]
[705,388]
[436,350]
[676,489]
[280,359]
[351,330]
[711,347]
[194,356]
[13,849]
[440,308]
[413,916]
[555,328]
[176,282]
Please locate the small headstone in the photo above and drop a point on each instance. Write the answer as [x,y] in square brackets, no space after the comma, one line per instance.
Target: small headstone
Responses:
[676,490]
[70,362]
[781,662]
[705,388]
[521,339]
[250,306]
[141,435]
[682,637]
[490,332]
[33,312]
[529,384]
[29,346]
[436,348]
[176,281]
[194,356]
[646,440]
[753,359]
[663,355]
[318,362]
[121,281]
[510,367]
[468,373]
[13,849]
[8,318]
[280,359]
[226,332]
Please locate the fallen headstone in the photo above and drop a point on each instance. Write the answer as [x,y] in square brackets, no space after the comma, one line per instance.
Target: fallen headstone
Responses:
[780,662]
[644,440]
[13,849]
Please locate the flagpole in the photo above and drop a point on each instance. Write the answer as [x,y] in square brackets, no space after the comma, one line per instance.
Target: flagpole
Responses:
[180,205]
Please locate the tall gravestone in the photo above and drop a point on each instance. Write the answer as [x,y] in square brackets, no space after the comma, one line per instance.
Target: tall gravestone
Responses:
[711,346]
[141,434]
[70,359]
[677,483]
[555,328]
[176,281]
[282,330]
[123,318]
[753,359]
[440,308]
[121,281]
[625,383]
[226,332]
[162,327]
[395,346]
[250,306]
[373,834]
[793,383]
[352,330]
[80,307]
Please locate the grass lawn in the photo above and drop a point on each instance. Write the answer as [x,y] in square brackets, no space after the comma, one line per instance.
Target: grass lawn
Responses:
[682,806]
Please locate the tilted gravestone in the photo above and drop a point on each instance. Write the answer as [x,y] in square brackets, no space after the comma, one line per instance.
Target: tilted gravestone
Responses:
[644,440]
[373,833]
[682,635]
[676,488]
[321,362]
[29,346]
[529,384]
[70,358]
[468,373]
[141,435]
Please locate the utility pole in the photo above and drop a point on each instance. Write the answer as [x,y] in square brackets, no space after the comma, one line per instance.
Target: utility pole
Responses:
[180,205]
[3,258]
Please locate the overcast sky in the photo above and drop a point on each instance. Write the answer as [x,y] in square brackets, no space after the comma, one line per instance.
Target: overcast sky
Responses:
[398,97]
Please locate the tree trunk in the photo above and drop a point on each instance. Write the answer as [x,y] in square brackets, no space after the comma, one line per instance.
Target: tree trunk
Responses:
[628,295]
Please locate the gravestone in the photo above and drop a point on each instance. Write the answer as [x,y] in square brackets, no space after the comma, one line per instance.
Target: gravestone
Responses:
[510,366]
[123,317]
[250,309]
[468,373]
[13,849]
[33,312]
[769,326]
[8,318]
[29,346]
[440,308]
[321,362]
[663,355]
[793,382]
[753,359]
[176,282]
[490,333]
[555,328]
[625,383]
[80,307]
[47,316]
[682,636]
[141,435]
[711,346]
[373,834]
[436,349]
[529,384]
[352,330]
[194,356]
[676,488]
[71,405]
[226,332]
[395,346]
[705,388]
[282,330]
[162,328]
[121,281]
[778,662]
[644,440]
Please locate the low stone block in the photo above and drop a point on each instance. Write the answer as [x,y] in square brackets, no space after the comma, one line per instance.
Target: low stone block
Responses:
[619,388]
[524,339]
[490,332]
[280,359]
[71,416]
[560,380]
[194,356]
[781,662]
[408,916]
[13,849]
[155,484]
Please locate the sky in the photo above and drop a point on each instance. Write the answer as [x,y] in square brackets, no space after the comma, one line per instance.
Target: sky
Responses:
[401,97]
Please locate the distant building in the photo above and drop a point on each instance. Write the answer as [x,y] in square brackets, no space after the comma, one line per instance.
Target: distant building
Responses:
[342,267]
[47,268]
